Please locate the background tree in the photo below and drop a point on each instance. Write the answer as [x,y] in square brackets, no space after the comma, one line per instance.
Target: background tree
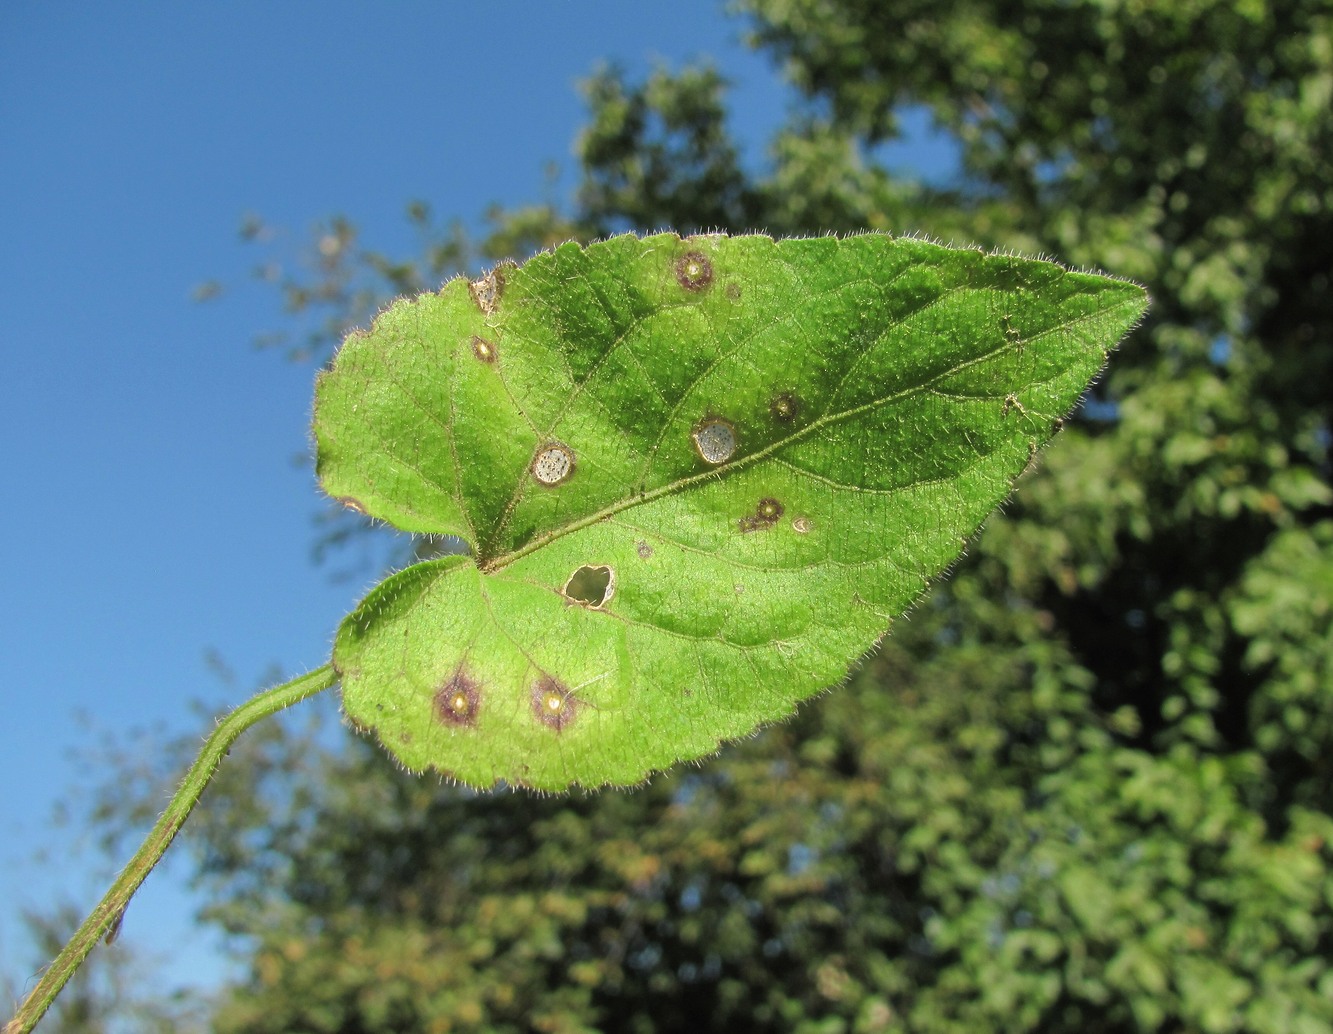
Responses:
[1086,786]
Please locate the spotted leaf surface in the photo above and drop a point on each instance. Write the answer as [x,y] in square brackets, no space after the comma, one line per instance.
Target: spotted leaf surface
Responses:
[698,477]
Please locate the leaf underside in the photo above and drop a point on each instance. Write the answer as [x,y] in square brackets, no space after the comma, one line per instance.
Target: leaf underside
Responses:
[698,477]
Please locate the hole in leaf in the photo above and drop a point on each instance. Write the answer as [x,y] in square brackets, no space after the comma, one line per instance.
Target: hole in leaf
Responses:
[714,440]
[553,464]
[483,349]
[553,704]
[591,586]
[457,701]
[693,271]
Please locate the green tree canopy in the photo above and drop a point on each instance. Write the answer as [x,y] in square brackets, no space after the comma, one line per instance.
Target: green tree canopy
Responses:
[1087,786]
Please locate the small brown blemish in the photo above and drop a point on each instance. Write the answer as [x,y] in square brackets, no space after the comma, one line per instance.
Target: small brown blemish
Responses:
[766,514]
[553,704]
[643,549]
[486,290]
[693,271]
[349,503]
[785,407]
[1010,403]
[714,440]
[483,349]
[553,464]
[457,701]
[734,292]
[801,525]
[1058,424]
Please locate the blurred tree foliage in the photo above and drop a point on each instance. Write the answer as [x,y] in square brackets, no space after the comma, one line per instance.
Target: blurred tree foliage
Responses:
[1086,787]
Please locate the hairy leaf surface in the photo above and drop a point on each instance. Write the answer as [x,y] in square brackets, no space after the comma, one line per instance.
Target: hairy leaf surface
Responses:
[698,477]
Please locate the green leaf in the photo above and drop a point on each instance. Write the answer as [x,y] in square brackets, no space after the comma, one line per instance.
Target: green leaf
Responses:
[698,477]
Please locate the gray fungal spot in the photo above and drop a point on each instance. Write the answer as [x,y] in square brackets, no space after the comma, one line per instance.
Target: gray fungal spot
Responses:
[553,464]
[458,700]
[591,586]
[693,271]
[714,440]
[553,703]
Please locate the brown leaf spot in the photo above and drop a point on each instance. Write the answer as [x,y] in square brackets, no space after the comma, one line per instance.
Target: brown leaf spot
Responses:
[785,407]
[734,292]
[693,271]
[483,349]
[801,525]
[352,504]
[458,700]
[766,514]
[553,703]
[643,549]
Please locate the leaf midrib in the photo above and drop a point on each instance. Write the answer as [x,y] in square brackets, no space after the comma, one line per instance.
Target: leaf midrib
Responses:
[498,563]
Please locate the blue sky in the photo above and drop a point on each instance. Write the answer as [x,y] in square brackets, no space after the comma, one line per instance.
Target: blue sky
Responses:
[154,510]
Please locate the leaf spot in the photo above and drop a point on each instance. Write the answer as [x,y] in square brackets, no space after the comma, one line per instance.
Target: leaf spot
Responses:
[486,290]
[785,407]
[734,292]
[553,464]
[693,271]
[352,504]
[591,586]
[766,514]
[714,440]
[1011,402]
[801,525]
[483,349]
[643,549]
[553,704]
[457,701]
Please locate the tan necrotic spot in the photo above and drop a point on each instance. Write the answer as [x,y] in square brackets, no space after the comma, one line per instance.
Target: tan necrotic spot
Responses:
[693,271]
[801,525]
[553,704]
[483,349]
[486,290]
[714,440]
[458,700]
[553,464]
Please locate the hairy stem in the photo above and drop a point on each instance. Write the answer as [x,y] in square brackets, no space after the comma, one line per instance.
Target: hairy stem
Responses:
[106,916]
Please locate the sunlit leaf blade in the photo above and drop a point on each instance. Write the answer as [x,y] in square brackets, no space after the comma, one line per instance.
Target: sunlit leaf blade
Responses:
[699,478]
